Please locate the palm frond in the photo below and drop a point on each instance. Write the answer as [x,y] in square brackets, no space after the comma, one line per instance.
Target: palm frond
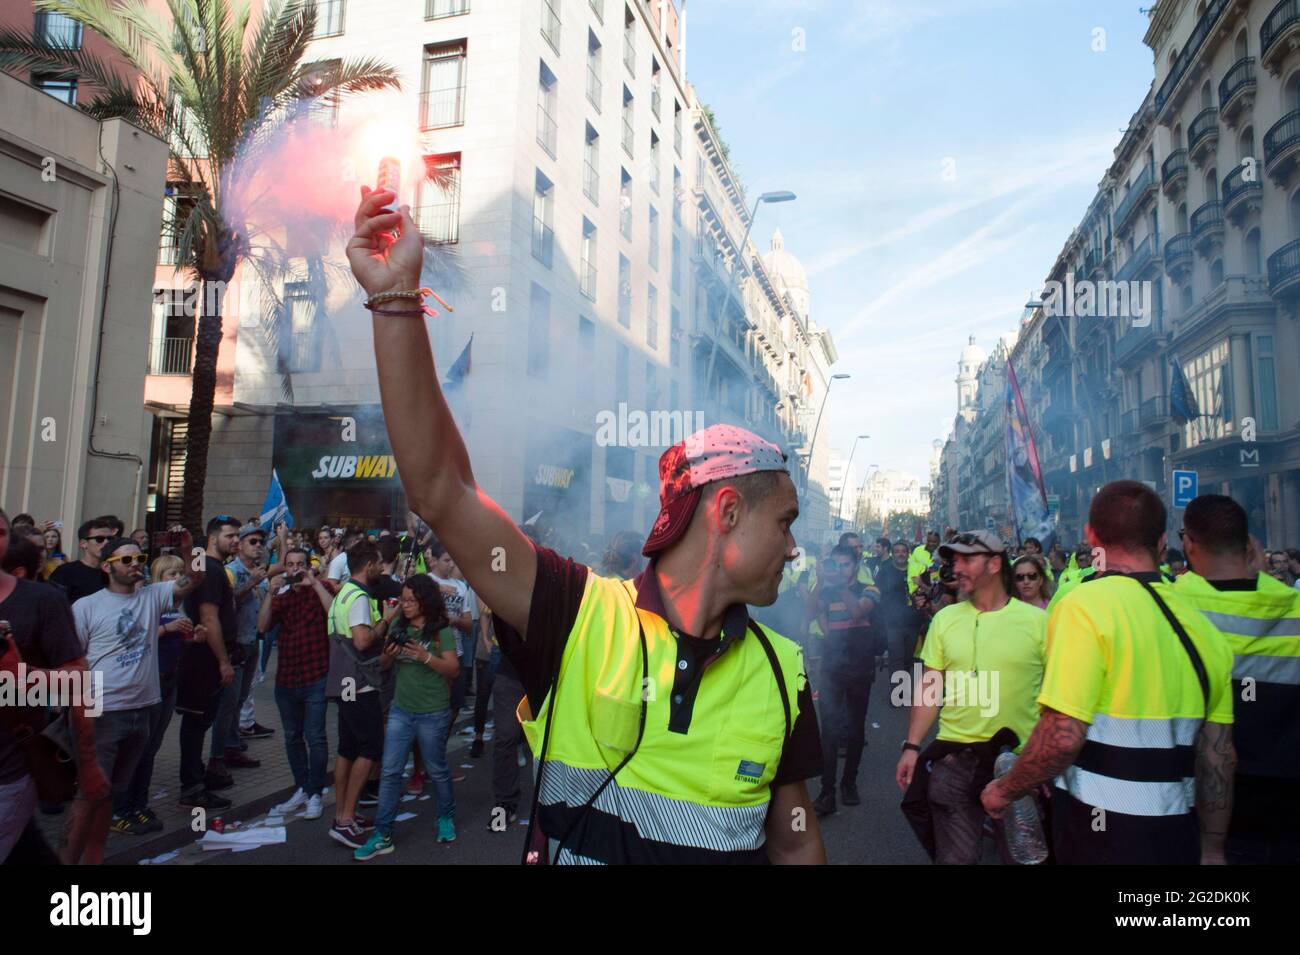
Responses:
[24,52]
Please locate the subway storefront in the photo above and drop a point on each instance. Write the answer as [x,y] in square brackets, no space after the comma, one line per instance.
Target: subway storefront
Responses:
[337,473]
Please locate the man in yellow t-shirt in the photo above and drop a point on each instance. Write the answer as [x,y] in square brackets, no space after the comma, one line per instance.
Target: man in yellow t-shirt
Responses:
[983,662]
[1135,732]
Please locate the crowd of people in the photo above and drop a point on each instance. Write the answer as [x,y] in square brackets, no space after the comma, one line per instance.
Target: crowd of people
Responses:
[381,623]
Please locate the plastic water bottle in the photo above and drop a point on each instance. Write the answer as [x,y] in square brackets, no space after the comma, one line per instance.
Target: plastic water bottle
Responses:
[1023,828]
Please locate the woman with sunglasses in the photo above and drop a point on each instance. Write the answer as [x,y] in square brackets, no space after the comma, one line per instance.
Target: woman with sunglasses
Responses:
[1032,583]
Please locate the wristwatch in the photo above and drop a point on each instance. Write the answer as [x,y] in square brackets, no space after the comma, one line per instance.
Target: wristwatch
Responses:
[912,746]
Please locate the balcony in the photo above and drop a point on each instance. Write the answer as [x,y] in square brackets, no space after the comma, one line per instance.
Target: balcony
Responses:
[1134,341]
[551,25]
[1143,187]
[1173,175]
[1241,196]
[1244,296]
[1284,271]
[439,222]
[57,31]
[1237,91]
[1178,256]
[1282,147]
[1171,90]
[1203,136]
[437,9]
[1153,412]
[543,242]
[627,135]
[442,108]
[594,88]
[588,280]
[1279,35]
[547,133]
[655,101]
[1144,253]
[1207,227]
[1092,261]
[629,52]
[170,356]
[590,181]
[1059,416]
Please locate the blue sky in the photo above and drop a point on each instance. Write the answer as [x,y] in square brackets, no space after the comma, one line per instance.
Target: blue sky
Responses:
[904,264]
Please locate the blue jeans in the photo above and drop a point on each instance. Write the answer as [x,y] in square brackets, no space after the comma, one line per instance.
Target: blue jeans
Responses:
[431,730]
[302,713]
[135,798]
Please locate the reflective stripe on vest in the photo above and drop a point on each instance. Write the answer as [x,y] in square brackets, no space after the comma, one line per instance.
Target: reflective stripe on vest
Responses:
[1143,767]
[1129,796]
[702,792]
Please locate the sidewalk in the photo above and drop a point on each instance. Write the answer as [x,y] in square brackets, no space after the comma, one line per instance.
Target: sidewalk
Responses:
[255,790]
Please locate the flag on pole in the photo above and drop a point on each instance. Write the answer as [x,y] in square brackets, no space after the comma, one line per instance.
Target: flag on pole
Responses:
[276,508]
[459,370]
[1182,403]
[1025,489]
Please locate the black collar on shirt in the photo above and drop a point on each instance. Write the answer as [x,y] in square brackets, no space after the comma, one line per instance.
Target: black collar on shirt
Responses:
[1150,576]
[1240,583]
[686,679]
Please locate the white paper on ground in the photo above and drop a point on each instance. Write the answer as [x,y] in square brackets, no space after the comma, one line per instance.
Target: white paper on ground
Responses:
[159,794]
[408,797]
[244,848]
[273,821]
[402,817]
[423,798]
[466,765]
[159,860]
[252,838]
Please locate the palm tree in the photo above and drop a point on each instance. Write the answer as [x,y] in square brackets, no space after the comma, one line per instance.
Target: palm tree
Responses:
[218,89]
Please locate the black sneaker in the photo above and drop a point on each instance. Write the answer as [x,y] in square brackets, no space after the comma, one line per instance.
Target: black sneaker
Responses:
[126,824]
[824,804]
[148,822]
[369,796]
[256,731]
[849,794]
[476,748]
[203,799]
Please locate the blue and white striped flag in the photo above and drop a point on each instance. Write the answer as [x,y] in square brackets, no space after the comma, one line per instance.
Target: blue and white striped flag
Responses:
[276,507]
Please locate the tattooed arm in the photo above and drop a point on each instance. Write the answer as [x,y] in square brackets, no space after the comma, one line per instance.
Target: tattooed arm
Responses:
[1052,748]
[1216,764]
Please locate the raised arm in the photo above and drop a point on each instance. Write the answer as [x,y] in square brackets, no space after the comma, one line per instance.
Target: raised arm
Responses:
[493,554]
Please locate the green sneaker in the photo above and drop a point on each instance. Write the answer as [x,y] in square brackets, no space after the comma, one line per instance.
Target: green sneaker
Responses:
[377,845]
[446,829]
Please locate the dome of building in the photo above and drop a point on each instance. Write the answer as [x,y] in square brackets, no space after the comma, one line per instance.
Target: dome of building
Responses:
[787,272]
[972,354]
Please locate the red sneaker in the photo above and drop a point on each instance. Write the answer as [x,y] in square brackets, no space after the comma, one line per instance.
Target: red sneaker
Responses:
[415,785]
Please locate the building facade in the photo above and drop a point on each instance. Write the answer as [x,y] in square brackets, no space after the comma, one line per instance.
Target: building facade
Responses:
[80,209]
[1186,265]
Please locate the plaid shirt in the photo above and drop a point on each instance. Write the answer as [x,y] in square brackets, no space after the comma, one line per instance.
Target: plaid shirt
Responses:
[302,644]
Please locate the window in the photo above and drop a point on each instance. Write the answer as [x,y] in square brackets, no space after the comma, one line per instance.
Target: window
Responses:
[586,356]
[654,162]
[588,274]
[303,345]
[625,204]
[551,23]
[1252,258]
[1208,379]
[629,40]
[654,87]
[1266,381]
[437,9]
[653,396]
[654,237]
[677,266]
[594,87]
[622,386]
[652,317]
[546,96]
[442,101]
[329,18]
[627,120]
[1216,273]
[675,343]
[591,166]
[175,207]
[60,87]
[539,330]
[624,291]
[323,107]
[677,196]
[57,31]
[438,201]
[598,8]
[171,345]
[677,127]
[543,211]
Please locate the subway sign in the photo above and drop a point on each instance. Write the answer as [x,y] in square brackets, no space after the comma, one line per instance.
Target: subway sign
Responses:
[359,466]
[317,466]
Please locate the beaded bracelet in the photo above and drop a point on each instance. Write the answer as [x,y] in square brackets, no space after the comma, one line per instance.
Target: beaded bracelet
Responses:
[404,313]
[414,295]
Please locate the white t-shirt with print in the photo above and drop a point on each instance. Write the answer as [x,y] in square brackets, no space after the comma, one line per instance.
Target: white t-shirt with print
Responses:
[120,635]
[338,569]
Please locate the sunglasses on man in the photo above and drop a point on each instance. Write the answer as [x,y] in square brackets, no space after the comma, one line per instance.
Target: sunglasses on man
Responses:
[128,559]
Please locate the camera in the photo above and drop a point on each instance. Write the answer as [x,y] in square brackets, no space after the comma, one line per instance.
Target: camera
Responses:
[947,573]
[297,577]
[399,639]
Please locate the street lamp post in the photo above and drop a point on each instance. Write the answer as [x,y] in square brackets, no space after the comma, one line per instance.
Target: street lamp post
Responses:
[862,489]
[808,468]
[839,505]
[780,196]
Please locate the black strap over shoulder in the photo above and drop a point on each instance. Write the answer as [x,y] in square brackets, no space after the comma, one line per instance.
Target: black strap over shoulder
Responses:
[1186,641]
[776,671]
